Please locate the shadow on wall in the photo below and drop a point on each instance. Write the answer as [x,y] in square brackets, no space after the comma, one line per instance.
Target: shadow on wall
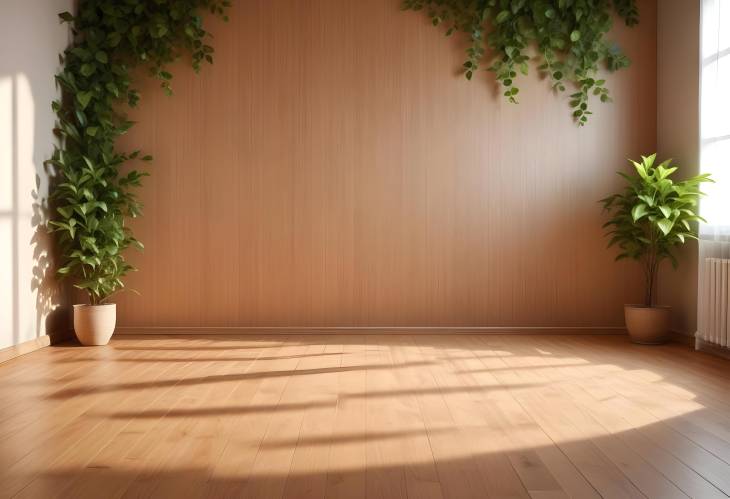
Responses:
[31,300]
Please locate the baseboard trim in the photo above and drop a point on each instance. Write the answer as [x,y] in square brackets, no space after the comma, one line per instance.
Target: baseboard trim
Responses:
[370,330]
[14,351]
[29,346]
[682,338]
[711,348]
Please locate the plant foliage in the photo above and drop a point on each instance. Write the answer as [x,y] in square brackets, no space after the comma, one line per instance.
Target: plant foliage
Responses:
[652,216]
[569,36]
[93,196]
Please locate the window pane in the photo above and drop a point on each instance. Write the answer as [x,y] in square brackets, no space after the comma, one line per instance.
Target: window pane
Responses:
[715,69]
[715,23]
[716,99]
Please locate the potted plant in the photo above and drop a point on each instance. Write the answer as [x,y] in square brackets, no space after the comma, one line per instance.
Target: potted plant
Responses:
[649,220]
[93,184]
[92,201]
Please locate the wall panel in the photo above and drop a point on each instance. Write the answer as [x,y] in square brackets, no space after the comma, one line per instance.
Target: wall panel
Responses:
[332,169]
[678,137]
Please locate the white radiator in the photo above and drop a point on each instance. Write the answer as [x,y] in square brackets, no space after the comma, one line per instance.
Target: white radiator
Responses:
[713,322]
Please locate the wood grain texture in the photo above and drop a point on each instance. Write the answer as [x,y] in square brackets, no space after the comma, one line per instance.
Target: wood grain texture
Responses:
[333,169]
[678,137]
[365,416]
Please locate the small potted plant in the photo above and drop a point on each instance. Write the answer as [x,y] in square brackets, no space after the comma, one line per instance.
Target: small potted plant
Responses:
[649,219]
[92,201]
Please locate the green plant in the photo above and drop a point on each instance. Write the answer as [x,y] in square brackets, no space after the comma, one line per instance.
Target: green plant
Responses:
[93,195]
[652,216]
[569,36]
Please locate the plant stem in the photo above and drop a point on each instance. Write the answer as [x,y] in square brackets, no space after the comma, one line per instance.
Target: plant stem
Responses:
[651,268]
[648,277]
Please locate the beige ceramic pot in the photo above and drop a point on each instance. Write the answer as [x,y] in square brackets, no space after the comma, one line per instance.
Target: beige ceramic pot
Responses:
[94,324]
[647,325]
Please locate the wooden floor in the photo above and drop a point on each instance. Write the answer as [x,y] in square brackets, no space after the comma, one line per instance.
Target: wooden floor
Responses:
[382,416]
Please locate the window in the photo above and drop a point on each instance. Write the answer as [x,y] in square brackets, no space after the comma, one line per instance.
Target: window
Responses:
[715,115]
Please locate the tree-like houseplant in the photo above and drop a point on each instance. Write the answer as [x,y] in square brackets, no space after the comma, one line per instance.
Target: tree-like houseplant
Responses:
[94,194]
[649,220]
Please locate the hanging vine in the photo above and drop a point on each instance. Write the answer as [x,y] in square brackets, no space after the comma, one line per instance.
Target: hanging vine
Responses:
[93,198]
[569,36]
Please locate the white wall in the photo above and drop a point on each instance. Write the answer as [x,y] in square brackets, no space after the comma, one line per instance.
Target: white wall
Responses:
[31,38]
[678,52]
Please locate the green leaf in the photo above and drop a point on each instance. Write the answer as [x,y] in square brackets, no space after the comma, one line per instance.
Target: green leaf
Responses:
[639,211]
[80,117]
[65,211]
[84,98]
[113,39]
[502,17]
[575,36]
[112,88]
[665,225]
[649,200]
[87,69]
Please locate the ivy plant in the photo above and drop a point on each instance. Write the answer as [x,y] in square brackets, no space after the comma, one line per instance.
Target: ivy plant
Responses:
[94,195]
[570,37]
[652,216]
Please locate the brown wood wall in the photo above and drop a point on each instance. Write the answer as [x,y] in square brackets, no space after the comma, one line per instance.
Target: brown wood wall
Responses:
[333,169]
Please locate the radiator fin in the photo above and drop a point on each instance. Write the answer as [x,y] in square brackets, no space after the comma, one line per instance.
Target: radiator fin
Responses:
[714,326]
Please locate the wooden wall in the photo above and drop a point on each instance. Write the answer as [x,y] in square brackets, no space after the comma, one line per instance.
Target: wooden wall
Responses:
[333,169]
[678,137]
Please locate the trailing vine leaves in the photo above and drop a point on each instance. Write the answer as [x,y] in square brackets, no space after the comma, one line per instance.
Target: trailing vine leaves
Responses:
[93,197]
[569,36]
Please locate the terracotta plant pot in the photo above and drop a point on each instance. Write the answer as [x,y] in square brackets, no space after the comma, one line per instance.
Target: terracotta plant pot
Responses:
[94,324]
[647,325]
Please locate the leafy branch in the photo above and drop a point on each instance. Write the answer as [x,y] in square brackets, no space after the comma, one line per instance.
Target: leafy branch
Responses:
[93,198]
[569,36]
